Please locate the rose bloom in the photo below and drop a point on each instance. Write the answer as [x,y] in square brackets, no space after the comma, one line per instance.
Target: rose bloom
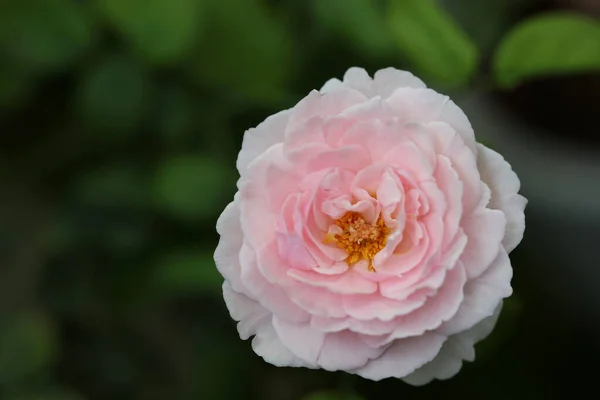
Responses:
[370,232]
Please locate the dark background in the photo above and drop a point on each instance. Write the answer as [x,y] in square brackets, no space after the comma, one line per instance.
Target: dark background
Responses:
[120,123]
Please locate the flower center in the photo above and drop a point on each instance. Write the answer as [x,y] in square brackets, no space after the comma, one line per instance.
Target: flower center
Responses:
[361,240]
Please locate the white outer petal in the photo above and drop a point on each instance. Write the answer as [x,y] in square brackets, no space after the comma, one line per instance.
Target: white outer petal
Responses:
[384,82]
[504,184]
[457,348]
[255,320]
[387,80]
[403,357]
[230,243]
[257,140]
[482,296]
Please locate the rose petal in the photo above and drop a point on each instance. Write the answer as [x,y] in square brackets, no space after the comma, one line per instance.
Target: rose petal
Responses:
[403,357]
[259,221]
[317,104]
[303,341]
[310,132]
[456,349]
[504,185]
[349,282]
[334,129]
[359,79]
[425,105]
[373,306]
[267,344]
[387,80]
[482,296]
[248,312]
[352,158]
[335,356]
[437,309]
[408,157]
[230,242]
[330,85]
[270,296]
[451,145]
[485,230]
[317,301]
[257,140]
[449,183]
[371,110]
[256,320]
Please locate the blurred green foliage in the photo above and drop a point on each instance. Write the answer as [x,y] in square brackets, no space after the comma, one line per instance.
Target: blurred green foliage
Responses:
[114,97]
[553,43]
[358,21]
[161,31]
[120,121]
[183,272]
[44,36]
[432,41]
[192,187]
[252,56]
[28,343]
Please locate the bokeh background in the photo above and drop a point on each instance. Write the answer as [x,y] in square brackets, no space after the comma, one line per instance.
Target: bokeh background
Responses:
[120,123]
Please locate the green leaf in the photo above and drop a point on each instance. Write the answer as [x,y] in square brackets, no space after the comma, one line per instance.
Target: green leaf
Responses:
[246,51]
[432,42]
[550,44]
[485,32]
[359,21]
[330,395]
[114,96]
[186,271]
[192,187]
[162,31]
[43,36]
[28,343]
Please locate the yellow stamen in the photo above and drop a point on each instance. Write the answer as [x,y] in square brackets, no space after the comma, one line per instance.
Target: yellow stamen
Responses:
[361,240]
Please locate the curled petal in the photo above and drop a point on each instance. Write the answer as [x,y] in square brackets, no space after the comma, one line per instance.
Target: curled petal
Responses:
[349,282]
[256,321]
[316,104]
[457,348]
[403,357]
[352,158]
[359,79]
[437,309]
[270,296]
[258,140]
[426,105]
[504,185]
[303,341]
[230,243]
[387,80]
[485,230]
[482,296]
[451,145]
[335,356]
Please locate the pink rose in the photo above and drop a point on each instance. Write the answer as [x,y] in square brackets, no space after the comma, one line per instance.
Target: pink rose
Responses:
[370,232]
